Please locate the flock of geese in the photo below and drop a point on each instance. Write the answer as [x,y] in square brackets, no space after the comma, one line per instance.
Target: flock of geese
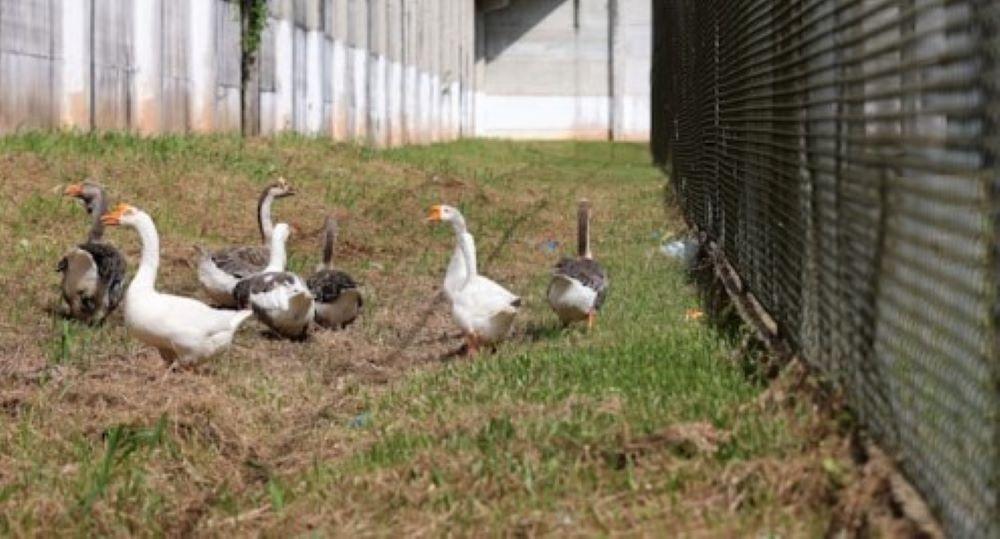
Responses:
[252,280]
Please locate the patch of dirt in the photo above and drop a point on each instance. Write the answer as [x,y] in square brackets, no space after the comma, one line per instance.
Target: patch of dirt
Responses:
[685,440]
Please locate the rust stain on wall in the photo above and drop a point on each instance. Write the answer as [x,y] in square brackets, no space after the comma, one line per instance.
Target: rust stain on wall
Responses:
[202,122]
[147,121]
[77,113]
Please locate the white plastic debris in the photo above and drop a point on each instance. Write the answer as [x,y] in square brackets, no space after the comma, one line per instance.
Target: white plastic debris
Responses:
[682,250]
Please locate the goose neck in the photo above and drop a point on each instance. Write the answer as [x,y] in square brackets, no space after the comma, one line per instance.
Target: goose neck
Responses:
[97,207]
[278,257]
[583,232]
[149,262]
[467,245]
[329,239]
[264,222]
[458,224]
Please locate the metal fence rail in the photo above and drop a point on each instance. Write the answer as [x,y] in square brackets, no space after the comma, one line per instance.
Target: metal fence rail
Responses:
[843,155]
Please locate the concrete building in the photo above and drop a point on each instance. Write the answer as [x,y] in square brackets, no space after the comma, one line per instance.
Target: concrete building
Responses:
[564,69]
[383,72]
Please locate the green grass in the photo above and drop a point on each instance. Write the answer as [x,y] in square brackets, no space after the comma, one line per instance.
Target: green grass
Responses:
[370,431]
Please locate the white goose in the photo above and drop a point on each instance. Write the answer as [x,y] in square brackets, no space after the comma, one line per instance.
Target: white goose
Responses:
[183,330]
[93,273]
[483,309]
[579,285]
[219,271]
[280,299]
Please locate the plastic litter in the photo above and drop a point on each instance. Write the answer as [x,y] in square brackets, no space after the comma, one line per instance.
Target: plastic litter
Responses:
[360,421]
[683,250]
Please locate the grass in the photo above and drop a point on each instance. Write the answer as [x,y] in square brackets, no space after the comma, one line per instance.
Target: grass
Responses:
[641,426]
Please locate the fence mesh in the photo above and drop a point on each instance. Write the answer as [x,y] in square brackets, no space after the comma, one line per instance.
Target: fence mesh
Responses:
[842,153]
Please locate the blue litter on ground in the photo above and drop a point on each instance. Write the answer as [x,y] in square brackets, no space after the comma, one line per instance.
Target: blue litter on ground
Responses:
[360,421]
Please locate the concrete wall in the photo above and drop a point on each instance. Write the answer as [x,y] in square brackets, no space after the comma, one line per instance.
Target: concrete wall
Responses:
[385,72]
[379,71]
[564,69]
[633,61]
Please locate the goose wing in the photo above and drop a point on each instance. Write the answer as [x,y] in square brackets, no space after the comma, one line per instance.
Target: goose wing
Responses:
[110,270]
[267,290]
[588,272]
[183,317]
[487,296]
[79,281]
[327,285]
[241,262]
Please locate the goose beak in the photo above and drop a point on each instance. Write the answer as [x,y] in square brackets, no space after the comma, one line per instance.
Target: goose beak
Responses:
[73,190]
[435,215]
[287,189]
[114,217]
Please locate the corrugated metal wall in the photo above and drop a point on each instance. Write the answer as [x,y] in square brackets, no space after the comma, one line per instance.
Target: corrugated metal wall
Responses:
[349,69]
[843,156]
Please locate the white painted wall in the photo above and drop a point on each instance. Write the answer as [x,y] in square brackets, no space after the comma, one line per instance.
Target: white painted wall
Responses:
[556,69]
[351,69]
[633,58]
[201,66]
[74,98]
[386,72]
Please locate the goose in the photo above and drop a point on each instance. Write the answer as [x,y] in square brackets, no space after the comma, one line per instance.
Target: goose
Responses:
[280,299]
[457,272]
[482,309]
[219,271]
[183,330]
[93,272]
[338,299]
[579,285]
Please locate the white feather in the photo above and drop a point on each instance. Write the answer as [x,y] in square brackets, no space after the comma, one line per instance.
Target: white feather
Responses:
[181,328]
[570,299]
[217,283]
[288,307]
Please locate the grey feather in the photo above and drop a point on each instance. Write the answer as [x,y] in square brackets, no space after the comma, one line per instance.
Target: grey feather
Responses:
[263,282]
[588,272]
[327,285]
[111,283]
[242,262]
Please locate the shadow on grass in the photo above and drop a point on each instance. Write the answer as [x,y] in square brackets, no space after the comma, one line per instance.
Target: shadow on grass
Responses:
[544,332]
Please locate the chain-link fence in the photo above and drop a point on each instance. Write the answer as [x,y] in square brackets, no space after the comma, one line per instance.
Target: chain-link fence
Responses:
[842,154]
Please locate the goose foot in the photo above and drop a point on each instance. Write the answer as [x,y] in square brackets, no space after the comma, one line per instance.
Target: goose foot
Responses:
[471,345]
[591,320]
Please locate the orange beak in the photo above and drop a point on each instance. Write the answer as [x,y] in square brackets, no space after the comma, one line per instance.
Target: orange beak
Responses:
[113,217]
[435,215]
[73,190]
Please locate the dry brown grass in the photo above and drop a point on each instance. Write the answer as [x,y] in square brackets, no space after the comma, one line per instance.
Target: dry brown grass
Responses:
[380,429]
[64,386]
